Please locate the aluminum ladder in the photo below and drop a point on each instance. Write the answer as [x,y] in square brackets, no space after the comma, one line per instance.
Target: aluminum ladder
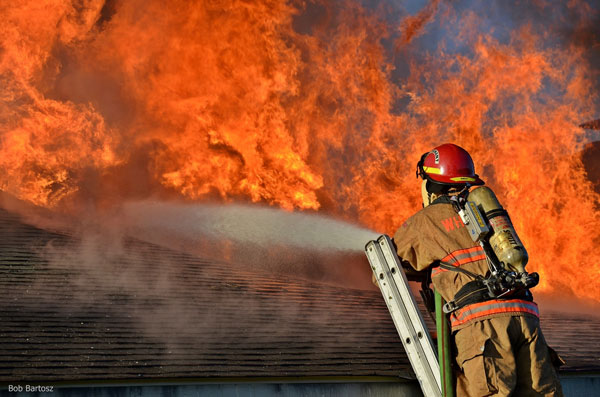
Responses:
[407,318]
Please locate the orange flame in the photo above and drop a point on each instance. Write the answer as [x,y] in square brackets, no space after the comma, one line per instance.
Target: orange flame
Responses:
[319,106]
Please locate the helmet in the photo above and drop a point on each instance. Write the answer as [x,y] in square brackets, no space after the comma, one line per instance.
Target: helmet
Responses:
[448,164]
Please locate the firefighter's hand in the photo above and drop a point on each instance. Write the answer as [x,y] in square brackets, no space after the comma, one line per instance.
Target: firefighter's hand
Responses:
[406,265]
[374,280]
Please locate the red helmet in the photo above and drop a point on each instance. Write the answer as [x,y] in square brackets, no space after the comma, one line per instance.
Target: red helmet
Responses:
[448,164]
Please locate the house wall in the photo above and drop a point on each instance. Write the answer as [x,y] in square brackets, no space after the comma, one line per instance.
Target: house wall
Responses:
[580,385]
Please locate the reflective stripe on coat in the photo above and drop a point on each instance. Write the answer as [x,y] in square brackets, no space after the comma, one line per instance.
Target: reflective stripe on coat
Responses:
[491,307]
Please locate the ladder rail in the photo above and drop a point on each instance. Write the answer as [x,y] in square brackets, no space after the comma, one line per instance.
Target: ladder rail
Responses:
[405,314]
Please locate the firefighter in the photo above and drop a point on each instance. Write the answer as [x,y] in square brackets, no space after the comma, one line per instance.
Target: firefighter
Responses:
[500,349]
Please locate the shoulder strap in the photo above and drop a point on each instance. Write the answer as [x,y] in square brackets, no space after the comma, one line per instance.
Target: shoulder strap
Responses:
[443,199]
[447,266]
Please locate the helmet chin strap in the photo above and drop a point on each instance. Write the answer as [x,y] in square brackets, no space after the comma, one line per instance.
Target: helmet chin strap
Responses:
[427,196]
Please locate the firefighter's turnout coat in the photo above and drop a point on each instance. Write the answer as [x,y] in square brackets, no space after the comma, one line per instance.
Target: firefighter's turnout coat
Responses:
[500,346]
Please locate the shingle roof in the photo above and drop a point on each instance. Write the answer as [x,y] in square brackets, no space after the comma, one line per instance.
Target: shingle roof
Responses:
[149,312]
[74,310]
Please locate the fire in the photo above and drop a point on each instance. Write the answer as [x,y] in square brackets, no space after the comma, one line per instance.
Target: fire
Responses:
[322,106]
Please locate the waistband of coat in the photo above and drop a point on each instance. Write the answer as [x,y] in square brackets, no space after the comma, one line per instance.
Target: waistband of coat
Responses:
[496,306]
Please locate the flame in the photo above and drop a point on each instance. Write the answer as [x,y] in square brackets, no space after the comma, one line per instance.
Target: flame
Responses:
[322,106]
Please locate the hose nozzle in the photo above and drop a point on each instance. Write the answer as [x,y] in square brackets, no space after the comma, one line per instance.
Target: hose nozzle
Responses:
[529,280]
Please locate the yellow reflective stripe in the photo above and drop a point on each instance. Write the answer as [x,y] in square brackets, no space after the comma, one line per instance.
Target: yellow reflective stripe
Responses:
[432,170]
[462,179]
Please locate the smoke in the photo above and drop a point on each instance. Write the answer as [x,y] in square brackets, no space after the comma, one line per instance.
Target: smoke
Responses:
[172,269]
[566,303]
[170,297]
[261,240]
[413,26]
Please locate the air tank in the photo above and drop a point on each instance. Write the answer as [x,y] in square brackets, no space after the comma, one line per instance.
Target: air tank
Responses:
[504,240]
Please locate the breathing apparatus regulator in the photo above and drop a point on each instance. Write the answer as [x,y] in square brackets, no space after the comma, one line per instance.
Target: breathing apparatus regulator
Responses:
[449,169]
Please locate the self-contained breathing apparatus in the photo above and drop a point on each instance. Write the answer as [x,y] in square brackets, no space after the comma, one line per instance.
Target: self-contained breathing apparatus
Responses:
[450,167]
[489,225]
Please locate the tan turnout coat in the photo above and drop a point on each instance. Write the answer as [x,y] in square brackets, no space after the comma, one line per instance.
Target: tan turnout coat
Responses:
[500,348]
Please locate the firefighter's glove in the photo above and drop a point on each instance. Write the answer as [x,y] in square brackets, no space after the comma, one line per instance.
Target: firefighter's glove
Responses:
[374,280]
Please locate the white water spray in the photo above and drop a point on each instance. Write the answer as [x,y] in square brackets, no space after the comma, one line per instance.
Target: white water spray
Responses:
[248,224]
